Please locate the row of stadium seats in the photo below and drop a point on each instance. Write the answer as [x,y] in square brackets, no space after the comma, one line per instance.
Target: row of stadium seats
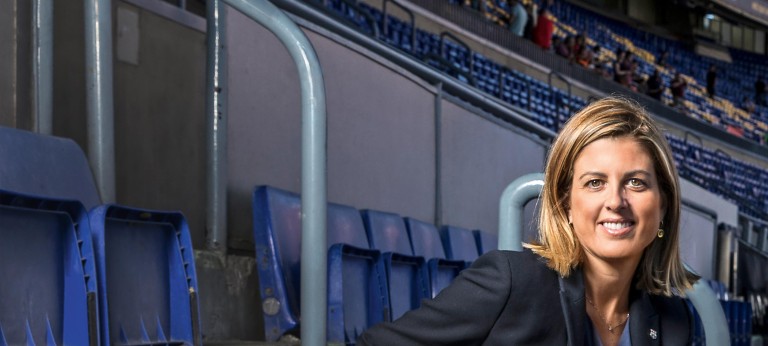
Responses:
[740,182]
[380,265]
[111,275]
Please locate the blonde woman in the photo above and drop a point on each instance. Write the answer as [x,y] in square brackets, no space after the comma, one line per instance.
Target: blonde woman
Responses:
[606,269]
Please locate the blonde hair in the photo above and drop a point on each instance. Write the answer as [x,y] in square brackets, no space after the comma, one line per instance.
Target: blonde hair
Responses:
[660,270]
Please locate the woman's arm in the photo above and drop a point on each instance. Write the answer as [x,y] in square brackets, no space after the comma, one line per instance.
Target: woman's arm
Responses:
[462,314]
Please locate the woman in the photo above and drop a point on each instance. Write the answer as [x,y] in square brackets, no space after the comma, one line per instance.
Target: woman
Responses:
[606,269]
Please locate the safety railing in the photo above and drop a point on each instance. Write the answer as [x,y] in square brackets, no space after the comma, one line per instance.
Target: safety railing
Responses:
[313,179]
[411,17]
[528,187]
[559,102]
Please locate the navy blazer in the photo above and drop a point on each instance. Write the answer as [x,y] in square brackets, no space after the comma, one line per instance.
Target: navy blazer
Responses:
[513,298]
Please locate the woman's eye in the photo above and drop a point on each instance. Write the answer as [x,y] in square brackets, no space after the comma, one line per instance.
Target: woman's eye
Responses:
[634,182]
[594,184]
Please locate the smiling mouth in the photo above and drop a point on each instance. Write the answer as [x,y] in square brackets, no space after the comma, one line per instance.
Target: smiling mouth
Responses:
[617,228]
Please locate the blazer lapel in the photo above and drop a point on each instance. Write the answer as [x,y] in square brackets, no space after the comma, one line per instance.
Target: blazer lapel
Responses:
[574,311]
[643,321]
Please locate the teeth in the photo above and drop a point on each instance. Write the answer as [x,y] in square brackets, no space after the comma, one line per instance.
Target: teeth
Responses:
[616,225]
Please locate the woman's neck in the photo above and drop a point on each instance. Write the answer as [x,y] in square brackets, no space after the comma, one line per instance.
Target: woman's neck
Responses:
[607,285]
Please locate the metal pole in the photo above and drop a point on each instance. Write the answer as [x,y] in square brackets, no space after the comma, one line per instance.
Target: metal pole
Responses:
[314,289]
[42,66]
[438,155]
[711,314]
[99,98]
[216,129]
[513,199]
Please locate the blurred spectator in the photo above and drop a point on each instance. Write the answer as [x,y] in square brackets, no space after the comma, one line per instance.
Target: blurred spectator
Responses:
[711,80]
[596,60]
[637,80]
[564,48]
[662,60]
[582,54]
[655,86]
[760,91]
[748,105]
[542,33]
[530,24]
[518,18]
[677,86]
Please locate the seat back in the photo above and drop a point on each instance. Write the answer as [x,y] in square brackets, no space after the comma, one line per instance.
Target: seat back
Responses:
[407,275]
[459,243]
[48,285]
[485,241]
[425,239]
[386,232]
[45,166]
[147,280]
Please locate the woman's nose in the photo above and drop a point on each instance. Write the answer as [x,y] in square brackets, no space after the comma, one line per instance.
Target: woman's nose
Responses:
[616,199]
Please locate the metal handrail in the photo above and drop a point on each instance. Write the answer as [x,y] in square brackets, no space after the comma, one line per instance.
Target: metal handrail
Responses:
[453,37]
[410,15]
[216,128]
[99,96]
[314,271]
[453,69]
[552,93]
[42,65]
[527,187]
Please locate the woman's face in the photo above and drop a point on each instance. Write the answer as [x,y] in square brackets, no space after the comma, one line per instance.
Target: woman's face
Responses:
[616,205]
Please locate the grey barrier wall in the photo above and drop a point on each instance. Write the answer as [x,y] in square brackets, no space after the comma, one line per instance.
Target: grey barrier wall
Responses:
[381,135]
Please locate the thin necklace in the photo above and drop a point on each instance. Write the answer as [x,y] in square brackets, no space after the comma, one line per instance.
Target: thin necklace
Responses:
[610,327]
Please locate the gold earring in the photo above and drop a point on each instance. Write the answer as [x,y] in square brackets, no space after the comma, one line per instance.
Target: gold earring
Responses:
[660,233]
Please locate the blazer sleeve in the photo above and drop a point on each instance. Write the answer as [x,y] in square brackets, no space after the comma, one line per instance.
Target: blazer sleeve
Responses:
[462,314]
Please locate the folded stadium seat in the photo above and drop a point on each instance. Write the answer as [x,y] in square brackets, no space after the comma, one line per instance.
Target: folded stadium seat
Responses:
[146,277]
[56,168]
[45,166]
[407,275]
[459,243]
[353,304]
[425,241]
[485,241]
[49,290]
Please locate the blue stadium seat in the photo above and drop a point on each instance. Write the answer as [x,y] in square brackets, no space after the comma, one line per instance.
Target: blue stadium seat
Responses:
[353,305]
[459,243]
[425,241]
[48,285]
[146,277]
[45,166]
[485,241]
[407,275]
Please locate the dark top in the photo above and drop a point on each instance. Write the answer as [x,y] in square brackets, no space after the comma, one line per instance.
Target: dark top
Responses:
[513,298]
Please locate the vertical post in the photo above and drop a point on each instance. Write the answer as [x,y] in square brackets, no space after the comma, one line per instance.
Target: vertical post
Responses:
[314,271]
[513,199]
[99,98]
[216,128]
[438,155]
[42,66]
